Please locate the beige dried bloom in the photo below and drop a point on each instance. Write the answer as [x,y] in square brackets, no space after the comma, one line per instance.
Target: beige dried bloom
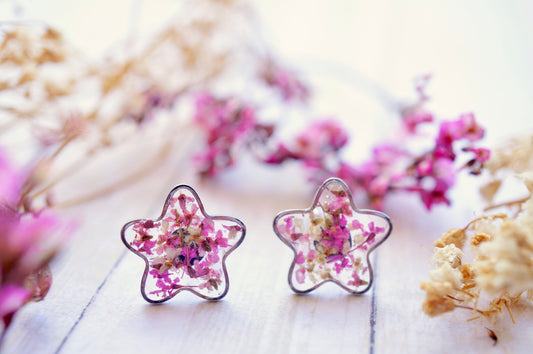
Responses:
[436,303]
[448,254]
[46,80]
[479,237]
[22,45]
[454,236]
[488,191]
[515,156]
[500,273]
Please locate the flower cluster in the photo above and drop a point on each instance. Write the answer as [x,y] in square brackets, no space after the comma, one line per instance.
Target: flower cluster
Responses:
[184,249]
[331,240]
[392,167]
[28,241]
[228,125]
[231,125]
[314,146]
[502,269]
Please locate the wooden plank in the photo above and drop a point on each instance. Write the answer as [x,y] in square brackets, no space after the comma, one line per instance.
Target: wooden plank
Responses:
[260,313]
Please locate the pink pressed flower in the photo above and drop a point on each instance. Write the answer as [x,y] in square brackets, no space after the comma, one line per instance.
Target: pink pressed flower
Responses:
[300,275]
[371,233]
[299,258]
[213,258]
[355,281]
[331,247]
[220,240]
[339,267]
[356,224]
[187,251]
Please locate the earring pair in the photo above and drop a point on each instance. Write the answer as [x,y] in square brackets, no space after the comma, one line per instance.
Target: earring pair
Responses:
[185,248]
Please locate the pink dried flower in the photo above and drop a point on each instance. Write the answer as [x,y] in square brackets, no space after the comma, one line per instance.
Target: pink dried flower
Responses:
[412,120]
[481,155]
[321,139]
[392,167]
[12,298]
[465,127]
[28,241]
[286,82]
[228,124]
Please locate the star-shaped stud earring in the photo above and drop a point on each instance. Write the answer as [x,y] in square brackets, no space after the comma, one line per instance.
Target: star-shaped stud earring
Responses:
[332,240]
[184,249]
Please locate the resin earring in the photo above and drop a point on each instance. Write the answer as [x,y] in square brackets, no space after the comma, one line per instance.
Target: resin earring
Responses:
[332,240]
[184,249]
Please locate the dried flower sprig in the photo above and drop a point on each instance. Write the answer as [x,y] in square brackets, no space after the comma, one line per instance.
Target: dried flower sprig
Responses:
[232,125]
[43,84]
[499,274]
[391,167]
[49,81]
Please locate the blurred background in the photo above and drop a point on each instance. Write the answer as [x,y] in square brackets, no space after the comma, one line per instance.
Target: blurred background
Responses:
[478,52]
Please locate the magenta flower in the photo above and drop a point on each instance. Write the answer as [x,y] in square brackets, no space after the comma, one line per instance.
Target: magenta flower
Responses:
[481,155]
[229,125]
[314,145]
[28,241]
[332,240]
[12,298]
[465,127]
[184,249]
[413,119]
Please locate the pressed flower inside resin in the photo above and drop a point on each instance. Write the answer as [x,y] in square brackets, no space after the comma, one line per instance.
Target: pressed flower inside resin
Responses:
[332,240]
[184,249]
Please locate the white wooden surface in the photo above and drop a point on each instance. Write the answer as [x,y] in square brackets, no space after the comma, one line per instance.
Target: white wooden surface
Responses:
[481,55]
